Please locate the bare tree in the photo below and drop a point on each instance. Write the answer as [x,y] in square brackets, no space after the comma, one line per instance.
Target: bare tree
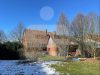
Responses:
[16,34]
[79,28]
[98,25]
[62,30]
[2,36]
[34,43]
[62,25]
[93,21]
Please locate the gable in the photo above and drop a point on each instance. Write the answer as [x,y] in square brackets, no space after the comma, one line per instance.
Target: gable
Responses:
[51,43]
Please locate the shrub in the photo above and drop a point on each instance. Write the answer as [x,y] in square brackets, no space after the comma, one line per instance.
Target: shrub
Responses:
[10,50]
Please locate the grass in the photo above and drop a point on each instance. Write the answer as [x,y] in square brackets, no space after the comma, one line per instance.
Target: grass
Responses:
[78,68]
[51,58]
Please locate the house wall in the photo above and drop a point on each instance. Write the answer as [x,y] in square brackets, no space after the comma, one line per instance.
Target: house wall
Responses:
[24,42]
[51,47]
[52,51]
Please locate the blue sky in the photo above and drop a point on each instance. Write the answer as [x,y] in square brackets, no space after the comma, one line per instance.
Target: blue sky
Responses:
[28,11]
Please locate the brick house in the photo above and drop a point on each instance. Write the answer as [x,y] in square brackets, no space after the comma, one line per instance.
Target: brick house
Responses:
[34,38]
[45,42]
[34,41]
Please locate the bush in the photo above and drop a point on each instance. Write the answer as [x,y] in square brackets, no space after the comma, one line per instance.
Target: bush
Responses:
[32,55]
[98,52]
[10,50]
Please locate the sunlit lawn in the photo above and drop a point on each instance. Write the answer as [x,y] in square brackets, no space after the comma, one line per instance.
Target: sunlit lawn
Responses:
[51,58]
[78,68]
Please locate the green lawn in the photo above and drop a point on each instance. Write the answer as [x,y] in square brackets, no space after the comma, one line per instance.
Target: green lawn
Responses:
[51,58]
[78,68]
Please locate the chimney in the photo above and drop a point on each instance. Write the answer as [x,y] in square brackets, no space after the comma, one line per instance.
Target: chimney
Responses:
[46,31]
[54,34]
